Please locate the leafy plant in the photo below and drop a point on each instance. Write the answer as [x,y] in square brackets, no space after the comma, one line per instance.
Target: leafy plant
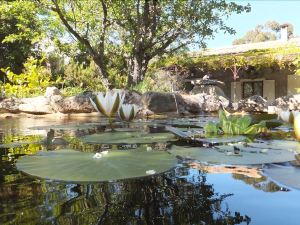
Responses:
[234,125]
[33,81]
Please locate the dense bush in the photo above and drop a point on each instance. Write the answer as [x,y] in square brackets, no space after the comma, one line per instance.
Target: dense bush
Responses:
[33,80]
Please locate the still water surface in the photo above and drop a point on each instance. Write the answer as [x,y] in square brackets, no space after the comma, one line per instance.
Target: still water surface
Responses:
[183,195]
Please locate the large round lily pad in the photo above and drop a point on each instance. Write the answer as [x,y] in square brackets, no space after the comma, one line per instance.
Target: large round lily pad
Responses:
[127,137]
[71,126]
[14,145]
[278,144]
[286,175]
[223,139]
[228,155]
[71,165]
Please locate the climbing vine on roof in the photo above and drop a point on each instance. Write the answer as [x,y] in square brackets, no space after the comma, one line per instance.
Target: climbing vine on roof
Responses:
[282,57]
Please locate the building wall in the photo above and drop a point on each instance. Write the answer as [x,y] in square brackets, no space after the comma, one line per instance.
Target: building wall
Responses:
[293,84]
[280,78]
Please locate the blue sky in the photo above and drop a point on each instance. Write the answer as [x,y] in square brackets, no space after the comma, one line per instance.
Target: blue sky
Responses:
[261,11]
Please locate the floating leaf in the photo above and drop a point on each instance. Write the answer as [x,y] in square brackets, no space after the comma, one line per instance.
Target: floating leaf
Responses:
[127,137]
[286,175]
[14,144]
[223,139]
[71,165]
[70,126]
[228,155]
[277,145]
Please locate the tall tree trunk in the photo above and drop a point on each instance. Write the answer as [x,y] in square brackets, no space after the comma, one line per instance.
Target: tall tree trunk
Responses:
[138,71]
[103,72]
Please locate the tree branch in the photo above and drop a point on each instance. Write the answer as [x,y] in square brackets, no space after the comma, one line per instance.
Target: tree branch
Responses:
[82,40]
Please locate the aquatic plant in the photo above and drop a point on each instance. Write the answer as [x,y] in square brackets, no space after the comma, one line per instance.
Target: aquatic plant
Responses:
[234,125]
[128,112]
[109,103]
[297,126]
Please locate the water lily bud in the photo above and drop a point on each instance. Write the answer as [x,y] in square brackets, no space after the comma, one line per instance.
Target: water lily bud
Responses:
[127,112]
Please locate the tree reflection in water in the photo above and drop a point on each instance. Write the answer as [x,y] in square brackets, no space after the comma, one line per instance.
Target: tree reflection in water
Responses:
[181,196]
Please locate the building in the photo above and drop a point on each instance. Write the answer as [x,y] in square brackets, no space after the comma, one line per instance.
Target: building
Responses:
[271,82]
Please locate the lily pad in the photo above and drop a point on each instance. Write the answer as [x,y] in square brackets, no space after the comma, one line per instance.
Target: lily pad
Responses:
[14,144]
[286,175]
[70,126]
[223,139]
[127,137]
[71,165]
[227,155]
[278,145]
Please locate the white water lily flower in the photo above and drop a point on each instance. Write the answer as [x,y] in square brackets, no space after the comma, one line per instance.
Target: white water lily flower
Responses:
[127,112]
[150,172]
[296,113]
[285,115]
[108,104]
[297,126]
[104,152]
[97,156]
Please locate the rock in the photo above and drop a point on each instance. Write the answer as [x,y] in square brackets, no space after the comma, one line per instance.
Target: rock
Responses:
[209,82]
[208,89]
[59,141]
[74,104]
[36,105]
[10,105]
[254,103]
[290,102]
[207,103]
[51,91]
[132,97]
[159,102]
[156,102]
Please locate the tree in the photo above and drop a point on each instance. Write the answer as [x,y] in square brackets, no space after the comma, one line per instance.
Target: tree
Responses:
[136,31]
[19,31]
[270,31]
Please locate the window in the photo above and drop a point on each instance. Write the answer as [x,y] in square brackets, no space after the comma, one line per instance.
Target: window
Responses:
[252,88]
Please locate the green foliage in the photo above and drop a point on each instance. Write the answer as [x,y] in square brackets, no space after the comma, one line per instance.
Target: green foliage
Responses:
[122,37]
[296,63]
[33,81]
[79,76]
[267,32]
[281,57]
[234,125]
[150,83]
[20,30]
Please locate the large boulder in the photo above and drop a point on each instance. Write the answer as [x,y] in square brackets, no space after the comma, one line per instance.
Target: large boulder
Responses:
[132,97]
[205,102]
[10,105]
[165,102]
[290,102]
[254,103]
[159,102]
[36,105]
[74,104]
[51,91]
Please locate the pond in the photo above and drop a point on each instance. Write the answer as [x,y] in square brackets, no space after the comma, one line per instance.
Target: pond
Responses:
[49,175]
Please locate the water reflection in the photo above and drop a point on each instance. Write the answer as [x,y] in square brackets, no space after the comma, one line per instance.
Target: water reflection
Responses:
[181,196]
